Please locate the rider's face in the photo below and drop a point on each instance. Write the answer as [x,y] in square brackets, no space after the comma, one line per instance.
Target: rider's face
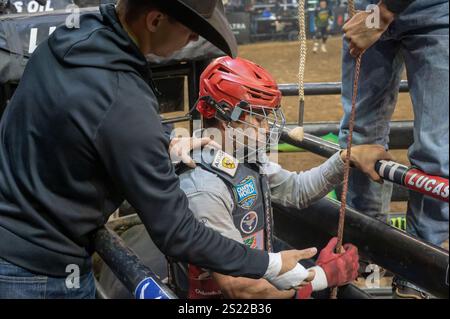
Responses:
[255,125]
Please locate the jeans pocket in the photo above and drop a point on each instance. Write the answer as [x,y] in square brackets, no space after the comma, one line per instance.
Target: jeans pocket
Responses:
[17,283]
[25,279]
[64,288]
[12,273]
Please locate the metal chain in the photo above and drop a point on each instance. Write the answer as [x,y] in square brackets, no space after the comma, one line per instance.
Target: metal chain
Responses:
[352,12]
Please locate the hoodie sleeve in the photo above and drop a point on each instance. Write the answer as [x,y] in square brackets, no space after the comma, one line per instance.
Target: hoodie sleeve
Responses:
[133,147]
[397,6]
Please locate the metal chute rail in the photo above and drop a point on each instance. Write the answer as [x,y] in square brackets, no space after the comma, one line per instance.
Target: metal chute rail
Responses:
[421,263]
[324,88]
[137,277]
[411,178]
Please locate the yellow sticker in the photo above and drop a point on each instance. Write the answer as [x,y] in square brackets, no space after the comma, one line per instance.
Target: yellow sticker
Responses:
[225,163]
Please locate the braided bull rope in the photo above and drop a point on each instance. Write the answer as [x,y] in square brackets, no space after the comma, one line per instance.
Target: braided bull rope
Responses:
[298,132]
[340,235]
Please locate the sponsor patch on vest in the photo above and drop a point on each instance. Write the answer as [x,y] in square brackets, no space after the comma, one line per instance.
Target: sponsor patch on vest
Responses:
[255,241]
[246,192]
[225,163]
[249,222]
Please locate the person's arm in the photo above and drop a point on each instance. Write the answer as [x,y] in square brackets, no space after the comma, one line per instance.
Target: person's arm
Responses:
[300,190]
[134,152]
[214,210]
[214,206]
[332,270]
[244,288]
[361,35]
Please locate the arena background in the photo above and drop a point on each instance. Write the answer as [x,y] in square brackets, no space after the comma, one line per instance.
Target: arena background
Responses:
[281,59]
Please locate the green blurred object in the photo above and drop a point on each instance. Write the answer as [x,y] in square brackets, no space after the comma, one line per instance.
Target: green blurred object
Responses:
[397,221]
[333,195]
[288,148]
[330,137]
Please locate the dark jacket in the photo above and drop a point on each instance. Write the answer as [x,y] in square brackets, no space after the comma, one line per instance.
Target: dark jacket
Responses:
[81,134]
[397,6]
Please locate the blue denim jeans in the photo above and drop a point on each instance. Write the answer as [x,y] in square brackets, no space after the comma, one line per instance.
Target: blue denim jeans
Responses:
[417,40]
[18,283]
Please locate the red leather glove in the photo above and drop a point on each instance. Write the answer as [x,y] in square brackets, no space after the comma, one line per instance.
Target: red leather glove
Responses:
[341,268]
[304,292]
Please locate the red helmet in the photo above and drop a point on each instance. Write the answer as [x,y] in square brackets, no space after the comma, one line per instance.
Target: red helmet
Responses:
[235,80]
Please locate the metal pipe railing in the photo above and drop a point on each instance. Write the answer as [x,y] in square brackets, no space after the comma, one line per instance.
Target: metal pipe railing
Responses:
[401,132]
[428,185]
[313,144]
[324,88]
[139,279]
[414,260]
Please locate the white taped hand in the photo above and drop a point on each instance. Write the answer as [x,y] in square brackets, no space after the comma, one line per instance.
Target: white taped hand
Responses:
[289,280]
[320,281]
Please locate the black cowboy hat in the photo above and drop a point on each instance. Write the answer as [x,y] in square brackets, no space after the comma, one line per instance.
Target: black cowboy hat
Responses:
[204,17]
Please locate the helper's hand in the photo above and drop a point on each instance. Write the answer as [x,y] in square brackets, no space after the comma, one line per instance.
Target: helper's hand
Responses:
[364,158]
[285,273]
[361,34]
[180,148]
[341,268]
[290,258]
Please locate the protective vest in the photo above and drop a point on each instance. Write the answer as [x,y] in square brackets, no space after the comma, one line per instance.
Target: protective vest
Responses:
[252,215]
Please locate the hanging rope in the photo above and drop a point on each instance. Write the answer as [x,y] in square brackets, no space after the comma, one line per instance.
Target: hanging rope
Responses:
[301,70]
[351,8]
[298,132]
[352,12]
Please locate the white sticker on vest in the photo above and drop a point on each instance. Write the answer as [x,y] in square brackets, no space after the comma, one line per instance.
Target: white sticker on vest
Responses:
[225,163]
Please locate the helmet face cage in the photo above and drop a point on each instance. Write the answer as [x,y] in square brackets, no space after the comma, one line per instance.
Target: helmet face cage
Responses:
[249,145]
[233,89]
